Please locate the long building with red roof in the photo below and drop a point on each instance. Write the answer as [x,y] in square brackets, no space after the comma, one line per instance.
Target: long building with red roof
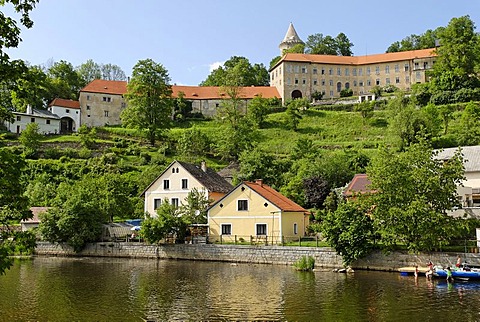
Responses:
[300,75]
[102,101]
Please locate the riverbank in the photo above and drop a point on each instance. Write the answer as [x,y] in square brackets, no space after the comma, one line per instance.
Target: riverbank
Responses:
[325,257]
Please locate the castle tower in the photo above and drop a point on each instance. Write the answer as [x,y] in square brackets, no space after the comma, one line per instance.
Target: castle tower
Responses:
[291,39]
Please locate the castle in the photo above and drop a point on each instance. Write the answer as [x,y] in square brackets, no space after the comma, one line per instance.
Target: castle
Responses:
[301,75]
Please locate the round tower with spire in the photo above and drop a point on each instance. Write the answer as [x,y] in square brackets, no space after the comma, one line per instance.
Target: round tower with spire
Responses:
[291,39]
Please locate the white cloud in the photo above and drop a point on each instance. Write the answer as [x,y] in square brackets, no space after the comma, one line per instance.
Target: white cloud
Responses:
[215,65]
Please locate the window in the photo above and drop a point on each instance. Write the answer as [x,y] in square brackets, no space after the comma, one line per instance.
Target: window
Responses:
[360,72]
[88,107]
[369,83]
[107,99]
[296,69]
[354,72]
[184,183]
[347,72]
[330,71]
[261,229]
[304,81]
[387,69]
[296,80]
[377,81]
[416,65]
[387,81]
[331,82]
[397,68]
[339,87]
[377,70]
[339,71]
[242,205]
[174,202]
[157,203]
[32,120]
[406,67]
[314,71]
[323,71]
[314,82]
[88,115]
[360,83]
[166,184]
[19,118]
[417,75]
[295,229]
[331,93]
[88,97]
[124,104]
[354,83]
[407,79]
[67,111]
[425,65]
[397,80]
[368,71]
[47,121]
[304,70]
[323,82]
[106,113]
[226,229]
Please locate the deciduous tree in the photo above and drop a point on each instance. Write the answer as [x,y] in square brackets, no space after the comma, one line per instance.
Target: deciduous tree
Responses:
[149,96]
[238,71]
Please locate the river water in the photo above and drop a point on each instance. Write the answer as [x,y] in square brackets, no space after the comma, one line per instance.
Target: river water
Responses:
[108,289]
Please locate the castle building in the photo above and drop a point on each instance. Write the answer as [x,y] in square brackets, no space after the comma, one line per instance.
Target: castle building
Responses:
[300,75]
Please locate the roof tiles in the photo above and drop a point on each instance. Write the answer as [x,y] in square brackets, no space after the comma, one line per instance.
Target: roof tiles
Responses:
[274,196]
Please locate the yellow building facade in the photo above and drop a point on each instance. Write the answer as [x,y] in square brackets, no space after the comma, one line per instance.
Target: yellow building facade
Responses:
[255,210]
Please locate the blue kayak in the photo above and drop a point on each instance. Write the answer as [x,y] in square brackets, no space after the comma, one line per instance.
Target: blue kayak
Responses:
[460,274]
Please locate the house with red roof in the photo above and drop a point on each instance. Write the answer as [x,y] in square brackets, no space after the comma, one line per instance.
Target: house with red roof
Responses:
[256,210]
[69,113]
[360,184]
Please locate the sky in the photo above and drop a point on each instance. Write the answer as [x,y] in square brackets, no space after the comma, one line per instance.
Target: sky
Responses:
[190,37]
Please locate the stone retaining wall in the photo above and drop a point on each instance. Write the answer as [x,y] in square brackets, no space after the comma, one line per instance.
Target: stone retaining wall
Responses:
[324,256]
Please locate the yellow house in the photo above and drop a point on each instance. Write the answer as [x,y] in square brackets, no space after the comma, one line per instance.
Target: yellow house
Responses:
[255,210]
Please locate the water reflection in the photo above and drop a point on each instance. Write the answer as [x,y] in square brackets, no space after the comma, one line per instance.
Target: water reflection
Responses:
[89,289]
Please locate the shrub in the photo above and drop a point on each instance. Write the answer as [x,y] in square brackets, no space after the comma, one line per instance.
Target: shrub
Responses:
[306,263]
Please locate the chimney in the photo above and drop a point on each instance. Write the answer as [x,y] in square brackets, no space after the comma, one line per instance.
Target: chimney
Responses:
[259,182]
[29,110]
[203,166]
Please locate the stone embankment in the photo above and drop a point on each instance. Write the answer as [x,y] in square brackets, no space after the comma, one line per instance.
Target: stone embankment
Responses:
[277,255]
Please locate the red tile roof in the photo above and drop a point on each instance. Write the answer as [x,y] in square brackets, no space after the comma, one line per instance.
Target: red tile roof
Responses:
[215,92]
[65,103]
[106,87]
[36,211]
[274,196]
[359,184]
[359,60]
[191,92]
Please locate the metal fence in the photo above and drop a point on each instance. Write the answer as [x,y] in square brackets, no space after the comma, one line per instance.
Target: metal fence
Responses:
[266,240]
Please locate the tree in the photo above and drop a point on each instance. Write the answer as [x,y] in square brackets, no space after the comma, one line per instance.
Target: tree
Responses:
[350,230]
[237,71]
[193,144]
[365,108]
[65,81]
[13,204]
[149,99]
[182,107]
[292,114]
[112,72]
[414,191]
[416,42]
[318,44]
[257,110]
[257,164]
[89,71]
[31,88]
[194,209]
[30,138]
[316,190]
[458,55]
[13,207]
[167,222]
[470,125]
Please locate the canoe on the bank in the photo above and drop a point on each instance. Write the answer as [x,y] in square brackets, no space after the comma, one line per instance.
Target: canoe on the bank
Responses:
[409,270]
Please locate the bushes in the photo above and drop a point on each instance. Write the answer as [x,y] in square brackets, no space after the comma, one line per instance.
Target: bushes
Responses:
[306,263]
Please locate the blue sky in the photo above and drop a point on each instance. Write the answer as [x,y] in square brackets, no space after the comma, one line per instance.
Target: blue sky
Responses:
[190,36]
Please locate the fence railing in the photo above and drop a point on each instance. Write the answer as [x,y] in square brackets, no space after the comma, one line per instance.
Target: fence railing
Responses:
[266,240]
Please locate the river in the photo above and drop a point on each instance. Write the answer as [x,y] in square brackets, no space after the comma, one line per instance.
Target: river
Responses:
[109,289]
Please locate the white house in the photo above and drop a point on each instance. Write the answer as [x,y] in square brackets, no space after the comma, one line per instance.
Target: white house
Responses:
[48,122]
[178,179]
[69,113]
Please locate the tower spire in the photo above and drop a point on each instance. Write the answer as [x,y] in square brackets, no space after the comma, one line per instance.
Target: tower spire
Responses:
[291,39]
